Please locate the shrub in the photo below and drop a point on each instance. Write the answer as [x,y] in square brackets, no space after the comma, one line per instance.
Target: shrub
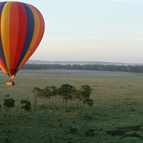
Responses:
[89,133]
[72,130]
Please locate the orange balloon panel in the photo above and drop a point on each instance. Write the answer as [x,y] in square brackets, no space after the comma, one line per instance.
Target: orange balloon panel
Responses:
[21,30]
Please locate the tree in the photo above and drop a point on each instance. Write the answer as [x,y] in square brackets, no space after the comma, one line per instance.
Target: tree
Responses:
[53,92]
[83,94]
[79,97]
[66,91]
[37,93]
[46,94]
[8,103]
[27,106]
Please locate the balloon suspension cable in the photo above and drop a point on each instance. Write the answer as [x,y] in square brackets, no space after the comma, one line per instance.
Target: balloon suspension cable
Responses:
[9,80]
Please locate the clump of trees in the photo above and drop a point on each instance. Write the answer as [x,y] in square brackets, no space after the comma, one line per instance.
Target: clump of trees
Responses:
[67,93]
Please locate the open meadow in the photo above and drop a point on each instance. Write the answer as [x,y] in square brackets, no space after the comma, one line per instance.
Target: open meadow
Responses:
[115,117]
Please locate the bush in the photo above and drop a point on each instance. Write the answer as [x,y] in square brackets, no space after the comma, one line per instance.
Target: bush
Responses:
[89,133]
[72,130]
[9,102]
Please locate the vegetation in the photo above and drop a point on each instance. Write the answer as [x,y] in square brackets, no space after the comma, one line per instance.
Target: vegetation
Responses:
[115,114]
[37,93]
[27,106]
[53,93]
[66,91]
[128,68]
[8,103]
[83,94]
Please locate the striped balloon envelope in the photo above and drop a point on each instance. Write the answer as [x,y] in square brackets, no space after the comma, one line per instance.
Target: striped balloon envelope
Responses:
[21,30]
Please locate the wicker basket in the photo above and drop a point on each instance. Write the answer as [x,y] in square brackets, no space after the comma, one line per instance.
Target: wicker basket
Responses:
[10,83]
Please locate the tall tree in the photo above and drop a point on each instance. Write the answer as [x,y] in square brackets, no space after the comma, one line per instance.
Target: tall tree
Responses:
[8,103]
[53,92]
[66,91]
[37,93]
[27,106]
[46,95]
[79,97]
[85,93]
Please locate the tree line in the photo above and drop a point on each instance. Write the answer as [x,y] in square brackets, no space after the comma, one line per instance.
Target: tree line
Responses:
[128,68]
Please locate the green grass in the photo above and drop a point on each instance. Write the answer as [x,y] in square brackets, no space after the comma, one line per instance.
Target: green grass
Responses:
[116,116]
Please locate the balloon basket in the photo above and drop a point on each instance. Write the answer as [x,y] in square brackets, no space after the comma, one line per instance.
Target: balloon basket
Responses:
[10,82]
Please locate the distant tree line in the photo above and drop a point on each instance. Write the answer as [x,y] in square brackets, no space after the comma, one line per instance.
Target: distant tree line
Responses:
[128,68]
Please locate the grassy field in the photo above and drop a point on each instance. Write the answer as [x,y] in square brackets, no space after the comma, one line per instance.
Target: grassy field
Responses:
[116,116]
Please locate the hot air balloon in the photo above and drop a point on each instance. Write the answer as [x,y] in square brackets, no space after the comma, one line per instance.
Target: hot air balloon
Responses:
[21,30]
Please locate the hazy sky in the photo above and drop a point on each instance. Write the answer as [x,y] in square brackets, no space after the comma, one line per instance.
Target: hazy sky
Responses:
[91,30]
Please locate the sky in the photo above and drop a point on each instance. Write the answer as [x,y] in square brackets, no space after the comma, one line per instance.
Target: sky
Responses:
[91,30]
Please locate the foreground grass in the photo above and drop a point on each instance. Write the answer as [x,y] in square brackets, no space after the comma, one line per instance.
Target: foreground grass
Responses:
[115,117]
